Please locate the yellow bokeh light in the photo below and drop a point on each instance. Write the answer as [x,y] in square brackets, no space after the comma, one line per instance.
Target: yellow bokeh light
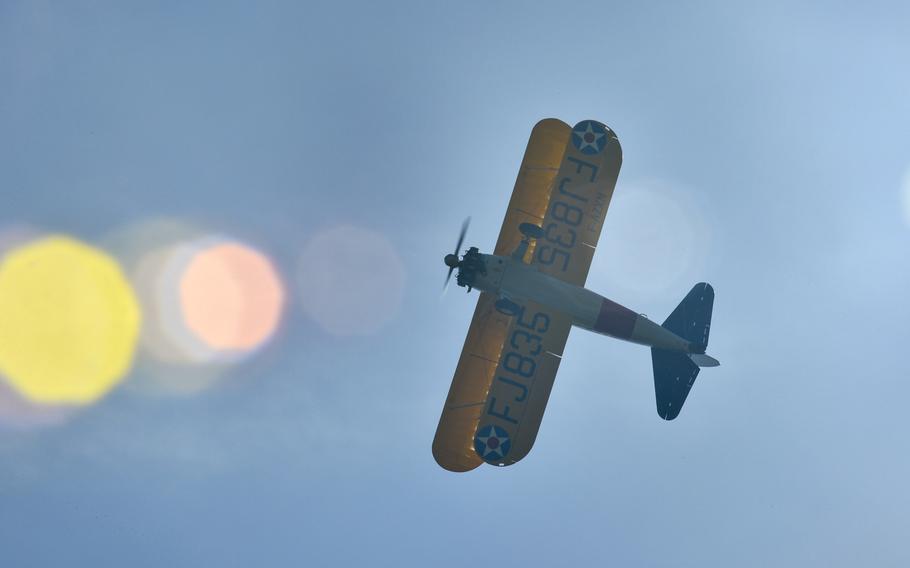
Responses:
[69,321]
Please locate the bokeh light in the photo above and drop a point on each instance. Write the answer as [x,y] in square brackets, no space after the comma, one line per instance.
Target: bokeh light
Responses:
[16,412]
[214,300]
[165,338]
[231,296]
[69,321]
[654,240]
[210,301]
[351,280]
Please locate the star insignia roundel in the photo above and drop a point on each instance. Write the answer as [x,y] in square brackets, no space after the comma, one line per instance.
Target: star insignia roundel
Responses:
[492,443]
[589,137]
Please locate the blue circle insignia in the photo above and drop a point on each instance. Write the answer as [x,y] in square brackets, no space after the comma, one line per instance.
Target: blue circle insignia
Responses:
[589,137]
[492,443]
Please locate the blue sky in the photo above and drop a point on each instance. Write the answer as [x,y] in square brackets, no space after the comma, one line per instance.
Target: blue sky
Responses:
[764,144]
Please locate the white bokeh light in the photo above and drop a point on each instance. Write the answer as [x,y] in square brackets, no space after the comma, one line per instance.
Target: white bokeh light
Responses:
[654,240]
[351,280]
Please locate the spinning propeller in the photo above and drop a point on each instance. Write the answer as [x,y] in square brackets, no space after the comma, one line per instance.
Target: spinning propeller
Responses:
[451,260]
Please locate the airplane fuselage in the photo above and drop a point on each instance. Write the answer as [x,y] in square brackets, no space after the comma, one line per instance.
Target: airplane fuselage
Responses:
[512,279]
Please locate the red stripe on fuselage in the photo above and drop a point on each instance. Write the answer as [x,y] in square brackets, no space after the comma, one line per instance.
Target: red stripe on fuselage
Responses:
[615,320]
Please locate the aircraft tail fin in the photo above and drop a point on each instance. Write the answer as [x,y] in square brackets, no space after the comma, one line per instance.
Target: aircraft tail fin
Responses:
[691,319]
[674,371]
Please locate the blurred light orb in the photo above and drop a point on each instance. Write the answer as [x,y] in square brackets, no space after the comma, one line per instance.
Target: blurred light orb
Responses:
[231,296]
[351,280]
[69,321]
[654,241]
[210,299]
[16,412]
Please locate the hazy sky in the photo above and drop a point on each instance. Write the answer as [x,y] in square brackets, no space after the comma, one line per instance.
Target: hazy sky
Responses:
[765,150]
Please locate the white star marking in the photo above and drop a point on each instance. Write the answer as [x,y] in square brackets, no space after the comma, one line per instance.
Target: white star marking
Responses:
[584,135]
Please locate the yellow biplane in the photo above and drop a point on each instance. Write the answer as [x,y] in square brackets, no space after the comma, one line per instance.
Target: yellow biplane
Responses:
[532,293]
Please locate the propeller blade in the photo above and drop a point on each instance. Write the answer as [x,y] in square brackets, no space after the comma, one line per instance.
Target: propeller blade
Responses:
[454,265]
[449,277]
[464,230]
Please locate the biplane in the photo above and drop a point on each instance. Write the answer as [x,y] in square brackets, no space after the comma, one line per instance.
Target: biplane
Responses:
[532,293]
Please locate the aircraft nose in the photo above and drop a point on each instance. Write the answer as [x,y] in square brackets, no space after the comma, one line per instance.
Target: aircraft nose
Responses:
[451,260]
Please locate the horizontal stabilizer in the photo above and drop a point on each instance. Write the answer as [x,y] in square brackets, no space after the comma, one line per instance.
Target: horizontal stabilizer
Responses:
[674,375]
[703,360]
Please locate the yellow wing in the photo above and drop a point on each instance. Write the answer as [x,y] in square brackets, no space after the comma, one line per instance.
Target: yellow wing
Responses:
[578,203]
[509,363]
[453,445]
[531,195]
[513,410]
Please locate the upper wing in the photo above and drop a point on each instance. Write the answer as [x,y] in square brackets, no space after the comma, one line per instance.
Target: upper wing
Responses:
[578,203]
[453,444]
[531,195]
